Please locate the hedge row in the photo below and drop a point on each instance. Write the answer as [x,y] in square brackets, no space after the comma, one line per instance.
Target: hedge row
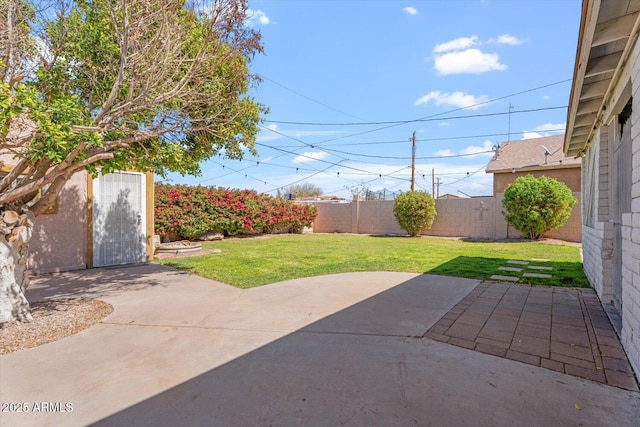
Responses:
[190,211]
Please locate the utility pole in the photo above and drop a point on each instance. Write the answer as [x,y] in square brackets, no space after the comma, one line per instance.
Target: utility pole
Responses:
[438,188]
[433,182]
[413,161]
[511,108]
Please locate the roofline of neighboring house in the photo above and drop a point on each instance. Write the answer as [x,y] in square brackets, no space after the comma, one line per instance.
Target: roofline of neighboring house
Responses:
[535,168]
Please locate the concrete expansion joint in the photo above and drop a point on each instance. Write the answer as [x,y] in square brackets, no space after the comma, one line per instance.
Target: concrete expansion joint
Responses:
[213,328]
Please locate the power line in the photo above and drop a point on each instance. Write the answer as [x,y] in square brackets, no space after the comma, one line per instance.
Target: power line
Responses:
[426,119]
[391,124]
[262,76]
[449,138]
[409,158]
[465,177]
[313,146]
[450,111]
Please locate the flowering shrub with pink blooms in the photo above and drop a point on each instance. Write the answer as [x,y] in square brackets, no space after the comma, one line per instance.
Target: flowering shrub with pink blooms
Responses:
[188,211]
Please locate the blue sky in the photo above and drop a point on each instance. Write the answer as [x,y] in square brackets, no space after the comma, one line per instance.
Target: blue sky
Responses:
[347,82]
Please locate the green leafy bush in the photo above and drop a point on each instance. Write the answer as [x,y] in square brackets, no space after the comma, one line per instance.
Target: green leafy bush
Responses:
[188,211]
[415,211]
[537,205]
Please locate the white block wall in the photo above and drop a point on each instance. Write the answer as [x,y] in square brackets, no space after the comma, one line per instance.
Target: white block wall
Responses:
[631,234]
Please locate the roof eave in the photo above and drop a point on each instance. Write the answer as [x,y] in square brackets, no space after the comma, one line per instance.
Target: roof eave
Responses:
[587,29]
[591,105]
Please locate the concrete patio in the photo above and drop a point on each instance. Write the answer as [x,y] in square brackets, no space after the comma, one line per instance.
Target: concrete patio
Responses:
[346,349]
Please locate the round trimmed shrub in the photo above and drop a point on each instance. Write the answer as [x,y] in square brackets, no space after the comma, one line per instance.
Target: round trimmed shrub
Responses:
[415,211]
[537,205]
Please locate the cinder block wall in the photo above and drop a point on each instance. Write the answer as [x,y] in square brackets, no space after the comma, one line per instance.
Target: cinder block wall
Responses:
[333,218]
[479,217]
[466,218]
[597,230]
[374,218]
[630,335]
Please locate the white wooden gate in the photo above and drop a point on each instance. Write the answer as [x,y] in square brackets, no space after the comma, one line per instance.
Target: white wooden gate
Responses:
[119,218]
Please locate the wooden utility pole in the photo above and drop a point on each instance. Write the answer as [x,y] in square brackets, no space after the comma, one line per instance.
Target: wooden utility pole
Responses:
[433,182]
[511,108]
[413,161]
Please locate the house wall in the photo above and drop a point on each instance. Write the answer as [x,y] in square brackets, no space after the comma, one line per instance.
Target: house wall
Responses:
[630,335]
[597,230]
[478,217]
[59,241]
[599,172]
[570,176]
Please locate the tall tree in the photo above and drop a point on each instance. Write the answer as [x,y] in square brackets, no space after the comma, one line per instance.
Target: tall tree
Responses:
[150,85]
[305,190]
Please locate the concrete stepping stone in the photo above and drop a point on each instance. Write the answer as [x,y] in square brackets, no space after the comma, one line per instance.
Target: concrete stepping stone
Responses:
[540,260]
[538,275]
[539,267]
[512,261]
[516,269]
[505,278]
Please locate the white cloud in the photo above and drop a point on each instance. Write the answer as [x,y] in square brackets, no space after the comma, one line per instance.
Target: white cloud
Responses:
[545,97]
[543,130]
[531,135]
[469,61]
[456,44]
[444,124]
[410,10]
[455,99]
[310,156]
[509,39]
[555,127]
[444,153]
[484,150]
[470,151]
[257,17]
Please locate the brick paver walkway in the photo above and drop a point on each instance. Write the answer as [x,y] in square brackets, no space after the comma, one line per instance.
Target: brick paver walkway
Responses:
[565,330]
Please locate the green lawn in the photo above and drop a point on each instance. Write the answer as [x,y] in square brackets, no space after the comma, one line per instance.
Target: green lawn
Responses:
[247,263]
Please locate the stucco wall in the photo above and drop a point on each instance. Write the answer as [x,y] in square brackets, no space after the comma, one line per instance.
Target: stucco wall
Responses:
[59,241]
[479,217]
[570,176]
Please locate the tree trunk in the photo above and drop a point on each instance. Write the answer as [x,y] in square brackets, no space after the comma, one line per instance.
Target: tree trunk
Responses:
[15,232]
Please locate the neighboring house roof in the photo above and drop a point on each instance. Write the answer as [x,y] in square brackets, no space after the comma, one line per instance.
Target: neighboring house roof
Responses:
[449,196]
[608,31]
[529,154]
